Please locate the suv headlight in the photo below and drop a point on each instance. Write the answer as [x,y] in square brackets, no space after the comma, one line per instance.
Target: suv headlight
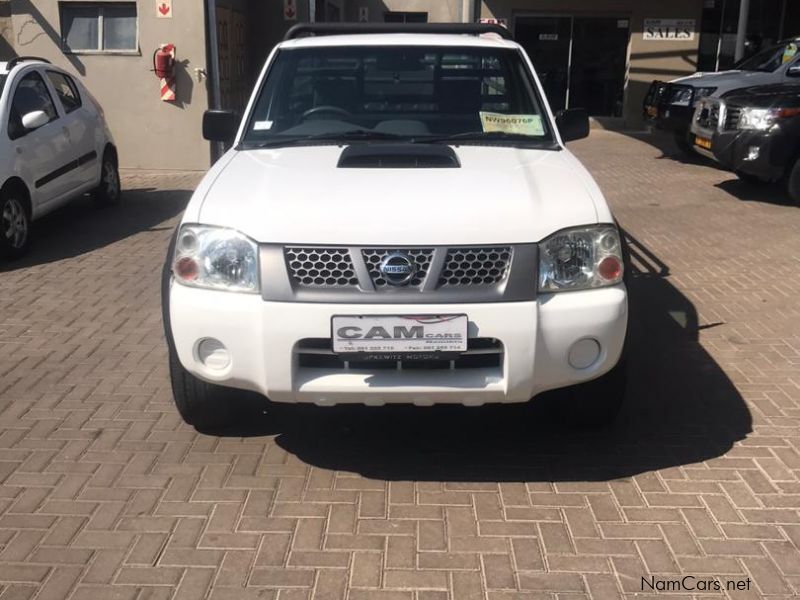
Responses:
[762,119]
[681,95]
[702,92]
[216,258]
[580,258]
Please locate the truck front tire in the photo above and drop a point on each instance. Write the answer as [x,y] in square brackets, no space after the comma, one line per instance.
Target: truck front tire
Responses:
[596,403]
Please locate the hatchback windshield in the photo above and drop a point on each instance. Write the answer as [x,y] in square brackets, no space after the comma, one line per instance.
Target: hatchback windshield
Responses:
[770,59]
[423,93]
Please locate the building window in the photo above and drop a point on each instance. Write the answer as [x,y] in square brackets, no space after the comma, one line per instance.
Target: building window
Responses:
[98,26]
[405,17]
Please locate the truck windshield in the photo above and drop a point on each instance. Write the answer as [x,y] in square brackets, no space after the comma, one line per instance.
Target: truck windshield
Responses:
[421,93]
[770,59]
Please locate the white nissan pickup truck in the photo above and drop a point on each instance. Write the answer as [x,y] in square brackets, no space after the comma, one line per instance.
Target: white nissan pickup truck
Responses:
[397,220]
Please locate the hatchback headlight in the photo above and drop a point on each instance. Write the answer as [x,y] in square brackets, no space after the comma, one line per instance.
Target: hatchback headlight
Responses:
[580,258]
[216,258]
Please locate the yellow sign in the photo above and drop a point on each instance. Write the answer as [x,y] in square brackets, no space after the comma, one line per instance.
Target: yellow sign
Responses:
[521,124]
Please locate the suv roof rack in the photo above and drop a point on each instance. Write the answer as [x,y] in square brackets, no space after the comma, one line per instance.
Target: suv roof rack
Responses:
[18,59]
[311,29]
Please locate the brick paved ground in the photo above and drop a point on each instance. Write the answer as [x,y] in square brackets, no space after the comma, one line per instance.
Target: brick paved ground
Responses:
[104,493]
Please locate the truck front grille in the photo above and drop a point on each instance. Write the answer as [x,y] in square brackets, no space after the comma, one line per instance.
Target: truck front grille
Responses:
[475,266]
[321,267]
[482,353]
[338,267]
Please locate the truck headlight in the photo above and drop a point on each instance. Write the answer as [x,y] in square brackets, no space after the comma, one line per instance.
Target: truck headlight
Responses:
[216,258]
[580,258]
[762,119]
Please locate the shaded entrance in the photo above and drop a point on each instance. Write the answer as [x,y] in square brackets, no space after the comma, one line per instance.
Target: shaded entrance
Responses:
[582,61]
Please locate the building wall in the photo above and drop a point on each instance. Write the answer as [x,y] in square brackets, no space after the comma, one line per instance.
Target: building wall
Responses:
[150,134]
[649,60]
[439,11]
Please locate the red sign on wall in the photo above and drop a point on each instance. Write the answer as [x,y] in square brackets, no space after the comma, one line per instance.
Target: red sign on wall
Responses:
[164,9]
[290,10]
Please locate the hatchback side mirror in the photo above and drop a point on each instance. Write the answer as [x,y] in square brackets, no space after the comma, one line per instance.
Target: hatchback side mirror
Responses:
[573,124]
[34,120]
[220,125]
[793,71]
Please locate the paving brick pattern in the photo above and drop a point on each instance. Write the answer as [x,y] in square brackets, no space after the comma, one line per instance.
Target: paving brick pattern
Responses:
[105,493]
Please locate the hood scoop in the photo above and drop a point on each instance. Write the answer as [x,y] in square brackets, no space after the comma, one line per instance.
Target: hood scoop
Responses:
[398,156]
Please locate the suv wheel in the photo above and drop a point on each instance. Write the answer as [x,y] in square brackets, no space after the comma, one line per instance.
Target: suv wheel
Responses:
[108,192]
[793,182]
[684,147]
[15,225]
[597,403]
[747,177]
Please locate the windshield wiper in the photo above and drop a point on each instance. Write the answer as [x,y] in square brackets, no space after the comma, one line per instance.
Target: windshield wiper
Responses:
[328,136]
[488,136]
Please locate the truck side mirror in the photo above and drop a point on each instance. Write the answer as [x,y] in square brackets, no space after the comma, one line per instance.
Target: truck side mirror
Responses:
[573,124]
[220,125]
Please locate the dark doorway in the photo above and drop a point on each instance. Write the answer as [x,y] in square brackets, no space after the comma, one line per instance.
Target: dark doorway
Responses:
[581,61]
[405,17]
[599,56]
[547,42]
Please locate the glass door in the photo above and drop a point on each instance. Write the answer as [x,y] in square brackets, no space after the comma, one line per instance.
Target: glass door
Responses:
[598,65]
[547,40]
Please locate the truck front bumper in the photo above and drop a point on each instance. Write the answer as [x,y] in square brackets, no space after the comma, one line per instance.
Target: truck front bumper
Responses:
[257,347]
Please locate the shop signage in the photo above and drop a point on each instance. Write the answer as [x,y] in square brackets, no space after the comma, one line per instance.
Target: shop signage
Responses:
[674,30]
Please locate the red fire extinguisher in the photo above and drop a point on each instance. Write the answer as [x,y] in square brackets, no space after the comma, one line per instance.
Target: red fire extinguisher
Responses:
[164,68]
[164,61]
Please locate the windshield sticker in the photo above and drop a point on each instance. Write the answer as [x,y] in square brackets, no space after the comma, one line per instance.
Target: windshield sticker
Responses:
[789,53]
[521,124]
[262,125]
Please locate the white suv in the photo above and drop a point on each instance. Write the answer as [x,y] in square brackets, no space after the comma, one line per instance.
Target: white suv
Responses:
[54,146]
[398,221]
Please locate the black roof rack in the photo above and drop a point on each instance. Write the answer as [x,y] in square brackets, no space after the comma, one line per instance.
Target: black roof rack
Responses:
[311,29]
[18,59]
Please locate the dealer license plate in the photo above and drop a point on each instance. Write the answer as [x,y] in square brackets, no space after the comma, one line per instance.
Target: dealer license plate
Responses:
[399,337]
[702,142]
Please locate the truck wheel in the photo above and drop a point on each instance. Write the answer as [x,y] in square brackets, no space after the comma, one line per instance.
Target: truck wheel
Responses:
[15,224]
[596,403]
[202,404]
[793,182]
[109,191]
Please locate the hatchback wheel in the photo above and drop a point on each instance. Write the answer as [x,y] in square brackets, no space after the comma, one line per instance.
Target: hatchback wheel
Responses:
[109,191]
[14,226]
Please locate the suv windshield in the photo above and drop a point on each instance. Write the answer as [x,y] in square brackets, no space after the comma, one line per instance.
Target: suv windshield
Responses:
[770,59]
[420,93]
